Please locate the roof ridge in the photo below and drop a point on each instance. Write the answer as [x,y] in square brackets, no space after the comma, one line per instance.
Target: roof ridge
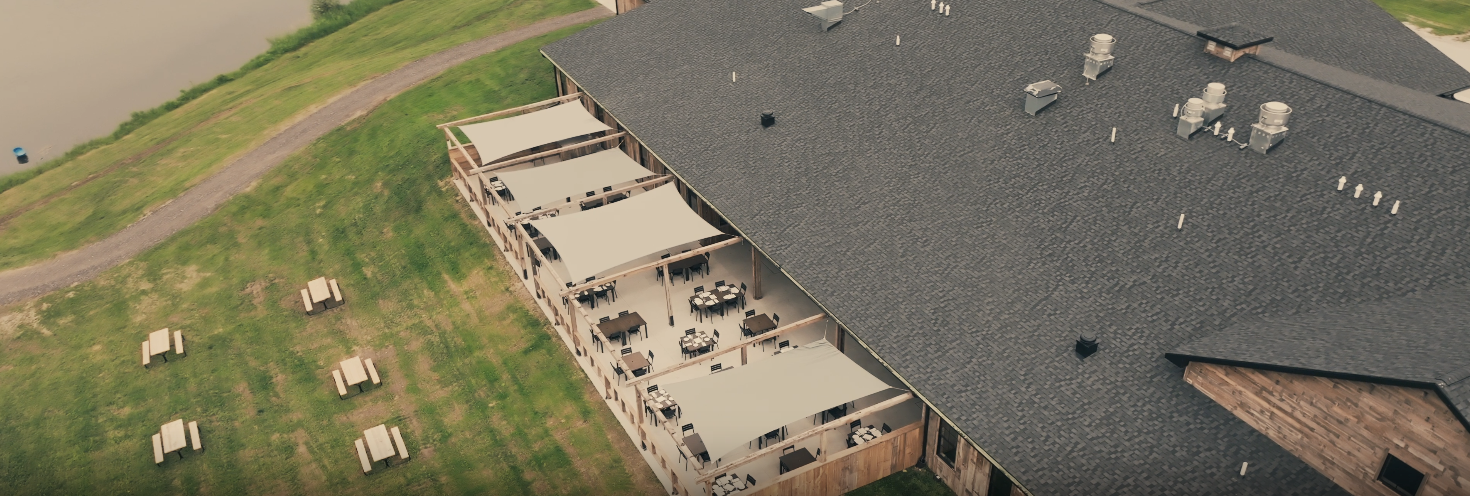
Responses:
[1413,103]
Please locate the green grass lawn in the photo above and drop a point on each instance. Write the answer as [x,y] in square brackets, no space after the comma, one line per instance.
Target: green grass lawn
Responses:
[489,401]
[1445,17]
[103,191]
[910,482]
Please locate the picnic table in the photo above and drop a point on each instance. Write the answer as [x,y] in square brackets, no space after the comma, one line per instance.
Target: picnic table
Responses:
[321,294]
[796,459]
[158,343]
[759,324]
[171,438]
[621,325]
[381,446]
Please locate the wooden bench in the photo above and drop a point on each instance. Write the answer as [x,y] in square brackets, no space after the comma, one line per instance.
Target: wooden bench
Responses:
[336,300]
[157,448]
[179,343]
[306,300]
[398,441]
[194,441]
[372,370]
[341,386]
[367,466]
[147,357]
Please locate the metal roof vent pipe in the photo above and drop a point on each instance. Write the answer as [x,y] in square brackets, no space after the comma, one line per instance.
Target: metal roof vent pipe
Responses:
[1192,119]
[1041,94]
[768,118]
[1214,97]
[830,12]
[1086,345]
[1099,56]
[1270,129]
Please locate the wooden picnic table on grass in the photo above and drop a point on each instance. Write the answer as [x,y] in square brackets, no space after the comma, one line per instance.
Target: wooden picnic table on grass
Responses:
[173,437]
[319,290]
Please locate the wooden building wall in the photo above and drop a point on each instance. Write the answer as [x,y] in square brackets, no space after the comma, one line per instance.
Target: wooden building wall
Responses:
[970,475]
[1345,429]
[849,471]
[626,5]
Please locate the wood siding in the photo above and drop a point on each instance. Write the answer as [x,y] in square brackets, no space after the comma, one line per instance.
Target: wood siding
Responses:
[970,475]
[853,469]
[1345,429]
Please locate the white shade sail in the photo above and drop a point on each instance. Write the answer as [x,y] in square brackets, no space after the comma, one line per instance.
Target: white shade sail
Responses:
[538,186]
[733,407]
[596,240]
[496,139]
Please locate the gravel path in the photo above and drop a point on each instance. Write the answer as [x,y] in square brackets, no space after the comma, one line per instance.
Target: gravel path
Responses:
[202,200]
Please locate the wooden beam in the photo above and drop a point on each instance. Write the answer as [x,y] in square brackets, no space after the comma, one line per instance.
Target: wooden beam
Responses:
[652,182]
[738,345]
[521,160]
[521,108]
[755,273]
[662,261]
[809,433]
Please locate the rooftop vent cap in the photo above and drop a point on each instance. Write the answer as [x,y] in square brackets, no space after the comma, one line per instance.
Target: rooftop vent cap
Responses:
[1232,41]
[830,12]
[1099,56]
[1040,94]
[768,118]
[1086,344]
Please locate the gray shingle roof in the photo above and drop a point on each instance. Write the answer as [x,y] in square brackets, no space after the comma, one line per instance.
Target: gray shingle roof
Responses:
[968,243]
[1356,35]
[1413,341]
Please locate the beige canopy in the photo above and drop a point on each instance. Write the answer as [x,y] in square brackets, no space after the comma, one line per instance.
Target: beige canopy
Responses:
[596,240]
[496,139]
[733,407]
[538,186]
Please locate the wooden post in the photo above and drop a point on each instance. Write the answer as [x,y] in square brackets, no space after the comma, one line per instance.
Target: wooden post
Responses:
[742,354]
[755,273]
[822,458]
[668,298]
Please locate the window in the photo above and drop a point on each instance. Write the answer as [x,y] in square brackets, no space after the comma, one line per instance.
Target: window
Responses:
[949,439]
[1400,477]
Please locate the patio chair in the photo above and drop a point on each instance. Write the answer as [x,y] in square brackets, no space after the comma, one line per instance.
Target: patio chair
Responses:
[886,429]
[612,289]
[766,439]
[853,426]
[717,338]
[784,344]
[626,351]
[689,332]
[623,313]
[777,318]
[720,283]
[650,360]
[716,367]
[698,289]
[618,370]
[597,341]
[788,449]
[750,480]
[604,319]
[634,330]
[607,189]
[684,429]
[742,296]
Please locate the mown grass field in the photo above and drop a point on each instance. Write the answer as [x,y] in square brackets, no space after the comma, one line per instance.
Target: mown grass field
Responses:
[1445,17]
[99,193]
[488,400]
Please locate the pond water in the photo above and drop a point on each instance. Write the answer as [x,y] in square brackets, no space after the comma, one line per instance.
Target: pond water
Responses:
[72,70]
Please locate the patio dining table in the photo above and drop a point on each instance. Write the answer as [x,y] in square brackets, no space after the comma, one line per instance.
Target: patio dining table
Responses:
[634,362]
[689,263]
[863,434]
[708,300]
[621,325]
[661,400]
[760,324]
[694,342]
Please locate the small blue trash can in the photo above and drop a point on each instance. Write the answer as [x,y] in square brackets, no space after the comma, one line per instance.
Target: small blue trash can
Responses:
[20,155]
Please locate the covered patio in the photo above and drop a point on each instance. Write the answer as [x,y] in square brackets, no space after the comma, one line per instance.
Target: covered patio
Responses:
[656,302]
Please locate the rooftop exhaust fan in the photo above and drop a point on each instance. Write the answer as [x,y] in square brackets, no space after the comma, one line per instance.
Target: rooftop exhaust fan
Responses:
[1099,56]
[830,12]
[1270,129]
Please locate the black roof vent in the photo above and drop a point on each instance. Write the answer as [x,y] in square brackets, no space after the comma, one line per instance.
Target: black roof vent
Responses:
[1086,344]
[768,118]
